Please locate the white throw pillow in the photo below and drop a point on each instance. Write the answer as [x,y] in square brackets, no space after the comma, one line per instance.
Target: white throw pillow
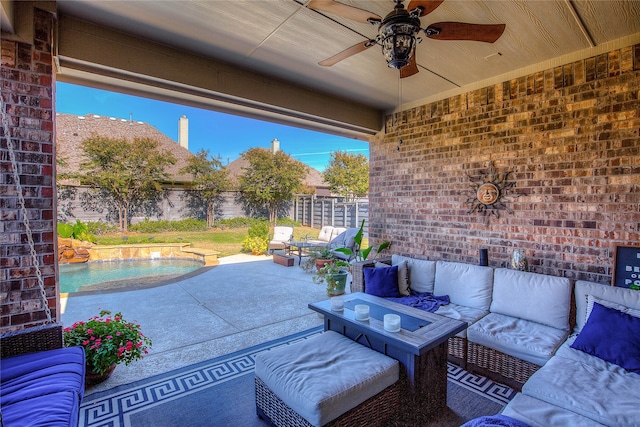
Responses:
[591,299]
[624,296]
[421,272]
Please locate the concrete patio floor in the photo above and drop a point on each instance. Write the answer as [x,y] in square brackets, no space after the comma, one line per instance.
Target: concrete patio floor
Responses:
[246,300]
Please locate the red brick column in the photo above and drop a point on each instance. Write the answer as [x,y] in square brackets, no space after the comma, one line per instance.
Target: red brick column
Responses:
[27,85]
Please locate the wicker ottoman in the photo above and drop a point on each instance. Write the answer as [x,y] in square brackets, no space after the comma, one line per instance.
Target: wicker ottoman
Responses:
[326,380]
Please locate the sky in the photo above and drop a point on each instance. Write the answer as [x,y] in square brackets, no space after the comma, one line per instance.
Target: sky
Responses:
[224,135]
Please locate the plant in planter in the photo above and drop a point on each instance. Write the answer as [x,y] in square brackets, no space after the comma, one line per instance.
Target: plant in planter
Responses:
[323,257]
[317,259]
[334,274]
[107,340]
[363,253]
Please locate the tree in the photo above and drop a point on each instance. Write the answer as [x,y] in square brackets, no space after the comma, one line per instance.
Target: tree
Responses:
[210,180]
[270,180]
[348,175]
[128,172]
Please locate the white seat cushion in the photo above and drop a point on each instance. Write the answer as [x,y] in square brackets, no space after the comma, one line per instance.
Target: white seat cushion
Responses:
[338,231]
[282,233]
[594,362]
[523,339]
[589,386]
[326,233]
[325,376]
[537,413]
[463,313]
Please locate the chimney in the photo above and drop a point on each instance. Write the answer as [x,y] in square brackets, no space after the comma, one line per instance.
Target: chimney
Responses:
[183,132]
[275,146]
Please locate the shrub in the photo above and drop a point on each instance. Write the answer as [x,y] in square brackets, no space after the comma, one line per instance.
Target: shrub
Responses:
[288,221]
[65,230]
[78,231]
[239,222]
[259,229]
[148,226]
[99,228]
[81,231]
[255,245]
[257,241]
[188,224]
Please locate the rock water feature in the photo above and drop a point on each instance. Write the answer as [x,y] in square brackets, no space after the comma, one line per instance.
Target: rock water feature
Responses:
[72,251]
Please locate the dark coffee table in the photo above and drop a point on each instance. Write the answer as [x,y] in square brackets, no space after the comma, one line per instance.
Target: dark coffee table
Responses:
[422,352]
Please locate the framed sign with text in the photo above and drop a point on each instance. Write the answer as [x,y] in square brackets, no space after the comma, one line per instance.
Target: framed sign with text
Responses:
[626,267]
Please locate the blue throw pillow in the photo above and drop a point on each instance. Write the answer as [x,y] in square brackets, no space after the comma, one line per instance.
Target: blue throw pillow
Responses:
[613,336]
[382,282]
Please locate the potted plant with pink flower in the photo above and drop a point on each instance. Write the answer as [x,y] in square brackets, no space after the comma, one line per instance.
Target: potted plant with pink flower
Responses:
[108,340]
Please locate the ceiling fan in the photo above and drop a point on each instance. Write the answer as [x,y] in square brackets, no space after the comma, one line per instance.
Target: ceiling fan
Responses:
[397,32]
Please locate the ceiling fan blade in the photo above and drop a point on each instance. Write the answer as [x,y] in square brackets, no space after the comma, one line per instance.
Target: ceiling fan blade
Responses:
[360,47]
[349,12]
[488,33]
[427,6]
[411,68]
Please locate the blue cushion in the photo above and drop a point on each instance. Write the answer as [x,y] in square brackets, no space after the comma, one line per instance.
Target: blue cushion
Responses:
[613,336]
[43,388]
[382,281]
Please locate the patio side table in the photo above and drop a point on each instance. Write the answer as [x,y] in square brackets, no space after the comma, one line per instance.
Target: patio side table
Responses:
[303,248]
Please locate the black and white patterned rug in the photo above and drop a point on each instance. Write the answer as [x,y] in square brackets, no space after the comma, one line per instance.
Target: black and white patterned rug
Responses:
[219,392]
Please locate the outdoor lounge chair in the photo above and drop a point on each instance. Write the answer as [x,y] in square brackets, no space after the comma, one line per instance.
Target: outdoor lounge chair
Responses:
[282,236]
[345,240]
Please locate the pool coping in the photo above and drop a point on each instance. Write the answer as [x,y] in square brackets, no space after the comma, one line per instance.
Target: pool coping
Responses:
[209,257]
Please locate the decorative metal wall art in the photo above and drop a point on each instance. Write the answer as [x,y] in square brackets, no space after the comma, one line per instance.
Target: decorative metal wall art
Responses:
[490,191]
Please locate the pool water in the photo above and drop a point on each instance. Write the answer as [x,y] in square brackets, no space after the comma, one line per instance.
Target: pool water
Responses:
[75,276]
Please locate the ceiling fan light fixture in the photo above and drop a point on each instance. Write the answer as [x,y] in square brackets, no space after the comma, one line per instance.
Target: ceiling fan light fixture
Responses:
[398,31]
[397,35]
[397,47]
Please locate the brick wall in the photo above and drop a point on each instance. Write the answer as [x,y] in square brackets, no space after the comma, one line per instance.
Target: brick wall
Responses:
[27,117]
[569,138]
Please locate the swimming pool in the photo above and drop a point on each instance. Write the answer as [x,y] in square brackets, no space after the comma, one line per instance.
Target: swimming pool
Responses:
[73,277]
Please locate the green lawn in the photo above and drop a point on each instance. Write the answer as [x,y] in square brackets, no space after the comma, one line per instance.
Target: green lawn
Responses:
[227,242]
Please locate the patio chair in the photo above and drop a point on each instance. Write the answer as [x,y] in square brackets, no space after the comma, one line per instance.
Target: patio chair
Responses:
[282,236]
[345,240]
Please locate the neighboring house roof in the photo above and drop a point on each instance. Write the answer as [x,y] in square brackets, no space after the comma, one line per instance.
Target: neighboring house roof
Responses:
[71,130]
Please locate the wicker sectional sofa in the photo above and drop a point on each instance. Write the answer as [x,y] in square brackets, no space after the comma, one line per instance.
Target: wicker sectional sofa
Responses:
[528,320]
[593,379]
[502,307]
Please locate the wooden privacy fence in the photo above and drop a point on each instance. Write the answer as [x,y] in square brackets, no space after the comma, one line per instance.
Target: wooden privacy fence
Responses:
[316,212]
